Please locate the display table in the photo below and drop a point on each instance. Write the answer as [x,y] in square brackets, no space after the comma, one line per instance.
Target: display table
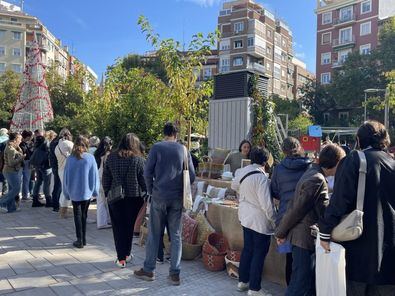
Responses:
[224,219]
[216,182]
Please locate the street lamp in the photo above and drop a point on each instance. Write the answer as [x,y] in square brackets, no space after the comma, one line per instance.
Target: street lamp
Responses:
[372,90]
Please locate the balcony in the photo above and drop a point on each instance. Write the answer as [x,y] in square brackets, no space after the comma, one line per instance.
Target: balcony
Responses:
[43,47]
[344,20]
[337,64]
[11,23]
[343,43]
[224,69]
[257,67]
[256,51]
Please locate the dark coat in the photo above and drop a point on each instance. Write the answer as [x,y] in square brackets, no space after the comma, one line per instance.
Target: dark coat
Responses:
[125,171]
[27,149]
[284,179]
[362,254]
[53,161]
[305,209]
[40,156]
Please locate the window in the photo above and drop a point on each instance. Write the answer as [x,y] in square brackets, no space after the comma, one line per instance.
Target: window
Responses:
[2,51]
[327,18]
[17,68]
[284,42]
[325,58]
[326,38]
[207,73]
[238,27]
[224,44]
[326,117]
[364,49]
[346,14]
[2,33]
[283,74]
[325,78]
[268,67]
[269,50]
[238,44]
[16,52]
[343,54]
[225,64]
[17,35]
[14,19]
[277,71]
[269,33]
[345,35]
[365,28]
[343,116]
[2,67]
[238,61]
[250,41]
[366,6]
[277,83]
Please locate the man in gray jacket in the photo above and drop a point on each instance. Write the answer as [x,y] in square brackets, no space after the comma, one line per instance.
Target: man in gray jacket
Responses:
[163,174]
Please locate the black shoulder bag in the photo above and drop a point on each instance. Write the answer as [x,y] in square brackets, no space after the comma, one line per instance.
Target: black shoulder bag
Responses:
[117,192]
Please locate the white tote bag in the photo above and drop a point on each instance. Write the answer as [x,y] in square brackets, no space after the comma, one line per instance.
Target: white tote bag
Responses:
[187,194]
[330,270]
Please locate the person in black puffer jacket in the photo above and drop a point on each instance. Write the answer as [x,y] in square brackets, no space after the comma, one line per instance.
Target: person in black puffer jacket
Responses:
[40,161]
[27,147]
[283,183]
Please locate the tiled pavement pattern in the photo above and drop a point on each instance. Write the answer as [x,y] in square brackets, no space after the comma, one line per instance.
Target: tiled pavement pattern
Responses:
[37,258]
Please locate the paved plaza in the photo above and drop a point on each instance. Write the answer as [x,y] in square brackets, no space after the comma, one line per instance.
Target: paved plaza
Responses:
[37,258]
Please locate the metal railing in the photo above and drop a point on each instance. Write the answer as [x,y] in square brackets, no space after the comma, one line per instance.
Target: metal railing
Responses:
[342,42]
[346,19]
[257,67]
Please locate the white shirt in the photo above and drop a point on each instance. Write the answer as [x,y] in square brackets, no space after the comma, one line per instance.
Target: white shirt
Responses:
[256,209]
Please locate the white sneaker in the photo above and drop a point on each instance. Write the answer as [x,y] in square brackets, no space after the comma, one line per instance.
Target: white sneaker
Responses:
[121,264]
[242,287]
[258,293]
[129,258]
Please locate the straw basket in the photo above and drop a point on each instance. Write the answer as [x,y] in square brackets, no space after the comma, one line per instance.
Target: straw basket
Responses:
[190,252]
[214,262]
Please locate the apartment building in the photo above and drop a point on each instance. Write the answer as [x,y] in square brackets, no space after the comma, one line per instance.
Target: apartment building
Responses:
[253,38]
[345,26]
[17,32]
[301,77]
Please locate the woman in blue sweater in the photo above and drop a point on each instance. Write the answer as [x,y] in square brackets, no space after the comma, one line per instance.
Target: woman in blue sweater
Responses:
[80,183]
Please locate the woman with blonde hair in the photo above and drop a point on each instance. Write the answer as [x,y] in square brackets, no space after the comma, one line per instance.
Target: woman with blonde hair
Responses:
[80,183]
[124,167]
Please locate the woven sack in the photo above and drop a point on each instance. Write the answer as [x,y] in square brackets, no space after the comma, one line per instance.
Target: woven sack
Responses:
[190,252]
[213,262]
[204,229]
[189,229]
[233,255]
[216,244]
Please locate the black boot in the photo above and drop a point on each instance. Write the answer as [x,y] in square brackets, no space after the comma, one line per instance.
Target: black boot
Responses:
[36,203]
[48,202]
[78,244]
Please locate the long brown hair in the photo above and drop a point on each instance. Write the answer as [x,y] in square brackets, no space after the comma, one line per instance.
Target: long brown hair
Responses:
[129,146]
[81,145]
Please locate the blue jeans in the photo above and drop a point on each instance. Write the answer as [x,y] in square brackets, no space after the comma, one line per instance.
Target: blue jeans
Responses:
[43,176]
[14,180]
[303,276]
[163,211]
[256,247]
[26,174]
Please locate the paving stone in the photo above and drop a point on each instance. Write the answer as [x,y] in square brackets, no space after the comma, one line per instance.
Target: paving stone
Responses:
[44,291]
[5,287]
[31,280]
[82,269]
[6,271]
[60,274]
[40,263]
[21,267]
[65,289]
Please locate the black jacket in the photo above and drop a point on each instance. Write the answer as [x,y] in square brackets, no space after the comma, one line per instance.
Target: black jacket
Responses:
[40,157]
[53,161]
[125,171]
[305,209]
[27,149]
[362,254]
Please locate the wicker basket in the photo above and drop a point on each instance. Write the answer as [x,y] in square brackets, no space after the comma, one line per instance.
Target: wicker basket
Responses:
[233,255]
[232,268]
[213,262]
[190,252]
[216,244]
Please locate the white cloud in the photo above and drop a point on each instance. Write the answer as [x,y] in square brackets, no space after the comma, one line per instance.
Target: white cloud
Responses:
[205,3]
[300,55]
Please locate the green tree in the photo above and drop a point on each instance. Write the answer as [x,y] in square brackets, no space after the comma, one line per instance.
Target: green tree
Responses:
[386,52]
[10,84]
[188,100]
[300,123]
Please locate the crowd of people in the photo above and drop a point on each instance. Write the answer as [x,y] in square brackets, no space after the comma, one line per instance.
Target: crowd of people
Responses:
[285,201]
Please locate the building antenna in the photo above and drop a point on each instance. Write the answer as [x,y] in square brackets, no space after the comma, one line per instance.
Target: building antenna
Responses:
[22,4]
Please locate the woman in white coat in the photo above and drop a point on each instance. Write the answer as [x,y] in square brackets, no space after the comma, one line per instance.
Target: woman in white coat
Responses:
[101,153]
[62,152]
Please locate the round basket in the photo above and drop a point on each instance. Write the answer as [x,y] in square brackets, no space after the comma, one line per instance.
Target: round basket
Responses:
[233,255]
[213,262]
[190,252]
[216,244]
[232,268]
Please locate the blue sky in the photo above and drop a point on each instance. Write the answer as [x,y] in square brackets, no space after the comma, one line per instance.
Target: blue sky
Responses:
[98,32]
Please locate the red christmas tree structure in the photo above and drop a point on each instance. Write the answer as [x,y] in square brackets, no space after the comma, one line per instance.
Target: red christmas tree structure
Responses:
[33,108]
